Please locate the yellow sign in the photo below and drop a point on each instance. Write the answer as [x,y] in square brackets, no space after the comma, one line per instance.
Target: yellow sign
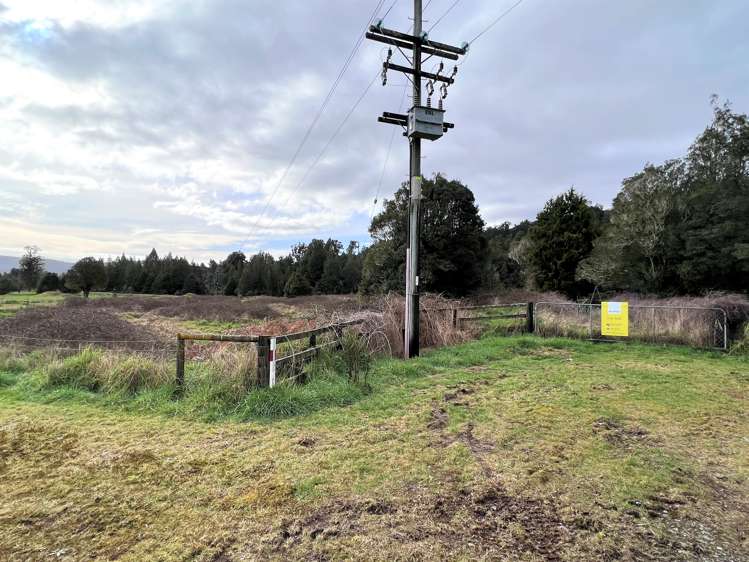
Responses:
[614,319]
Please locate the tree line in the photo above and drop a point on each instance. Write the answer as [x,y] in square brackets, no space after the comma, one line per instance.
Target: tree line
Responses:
[681,227]
[317,267]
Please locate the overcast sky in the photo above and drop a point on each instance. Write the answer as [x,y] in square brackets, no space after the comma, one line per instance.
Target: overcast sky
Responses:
[131,124]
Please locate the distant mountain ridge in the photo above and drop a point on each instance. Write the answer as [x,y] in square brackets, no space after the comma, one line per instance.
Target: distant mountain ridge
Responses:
[55,266]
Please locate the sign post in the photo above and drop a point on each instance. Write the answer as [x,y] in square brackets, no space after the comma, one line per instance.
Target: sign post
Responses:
[615,319]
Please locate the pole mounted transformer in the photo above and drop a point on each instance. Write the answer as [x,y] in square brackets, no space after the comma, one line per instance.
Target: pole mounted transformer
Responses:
[421,122]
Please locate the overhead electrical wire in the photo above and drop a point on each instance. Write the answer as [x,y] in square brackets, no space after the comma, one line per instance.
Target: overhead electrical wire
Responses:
[320,111]
[358,102]
[496,21]
[330,141]
[390,8]
[439,19]
[387,157]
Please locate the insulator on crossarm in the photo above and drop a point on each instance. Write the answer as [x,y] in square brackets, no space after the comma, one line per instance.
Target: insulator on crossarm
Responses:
[430,91]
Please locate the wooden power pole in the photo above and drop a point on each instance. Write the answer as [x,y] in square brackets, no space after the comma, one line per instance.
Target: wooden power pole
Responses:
[421,122]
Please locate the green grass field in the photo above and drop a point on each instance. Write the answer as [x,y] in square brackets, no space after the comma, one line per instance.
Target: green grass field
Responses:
[13,302]
[507,448]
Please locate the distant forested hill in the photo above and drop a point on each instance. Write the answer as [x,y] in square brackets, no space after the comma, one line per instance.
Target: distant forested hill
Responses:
[54,266]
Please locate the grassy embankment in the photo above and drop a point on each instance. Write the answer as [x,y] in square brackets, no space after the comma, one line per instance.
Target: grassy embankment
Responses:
[510,448]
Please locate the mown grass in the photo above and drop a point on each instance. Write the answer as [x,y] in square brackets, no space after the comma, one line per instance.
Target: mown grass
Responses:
[595,430]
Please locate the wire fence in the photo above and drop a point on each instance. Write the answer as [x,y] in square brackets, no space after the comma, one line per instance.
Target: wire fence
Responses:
[153,348]
[702,327]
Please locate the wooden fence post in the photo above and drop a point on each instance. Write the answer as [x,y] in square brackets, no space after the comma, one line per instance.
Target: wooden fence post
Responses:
[180,380]
[263,361]
[339,337]
[455,317]
[530,321]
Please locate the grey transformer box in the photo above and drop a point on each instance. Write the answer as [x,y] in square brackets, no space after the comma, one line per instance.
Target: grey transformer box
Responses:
[426,122]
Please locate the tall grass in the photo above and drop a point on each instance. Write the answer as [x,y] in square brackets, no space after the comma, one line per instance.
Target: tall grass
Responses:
[217,385]
[436,327]
[95,370]
[17,359]
[678,320]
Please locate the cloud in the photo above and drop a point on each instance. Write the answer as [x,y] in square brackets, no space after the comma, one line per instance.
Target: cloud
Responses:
[129,124]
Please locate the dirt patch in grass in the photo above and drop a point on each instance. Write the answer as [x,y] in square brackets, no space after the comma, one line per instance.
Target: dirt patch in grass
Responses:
[619,435]
[193,307]
[486,522]
[75,325]
[454,397]
[438,422]
[307,442]
[438,418]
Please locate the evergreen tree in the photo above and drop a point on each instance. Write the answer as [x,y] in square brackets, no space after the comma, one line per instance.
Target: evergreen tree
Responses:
[48,282]
[561,238]
[331,280]
[232,271]
[297,285]
[7,284]
[191,285]
[709,228]
[502,270]
[452,241]
[352,269]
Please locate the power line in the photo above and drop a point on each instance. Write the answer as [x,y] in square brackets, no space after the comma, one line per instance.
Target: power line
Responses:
[330,141]
[496,21]
[390,8]
[320,111]
[387,157]
[439,19]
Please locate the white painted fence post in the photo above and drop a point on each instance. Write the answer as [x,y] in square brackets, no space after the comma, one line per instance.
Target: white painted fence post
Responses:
[272,360]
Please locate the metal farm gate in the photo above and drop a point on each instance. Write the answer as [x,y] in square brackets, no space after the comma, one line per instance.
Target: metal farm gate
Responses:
[686,325]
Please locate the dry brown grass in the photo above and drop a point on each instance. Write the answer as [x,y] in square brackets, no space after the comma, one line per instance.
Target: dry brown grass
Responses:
[436,327]
[678,320]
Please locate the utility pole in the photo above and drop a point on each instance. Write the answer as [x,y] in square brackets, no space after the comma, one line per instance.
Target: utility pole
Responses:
[411,343]
[420,123]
